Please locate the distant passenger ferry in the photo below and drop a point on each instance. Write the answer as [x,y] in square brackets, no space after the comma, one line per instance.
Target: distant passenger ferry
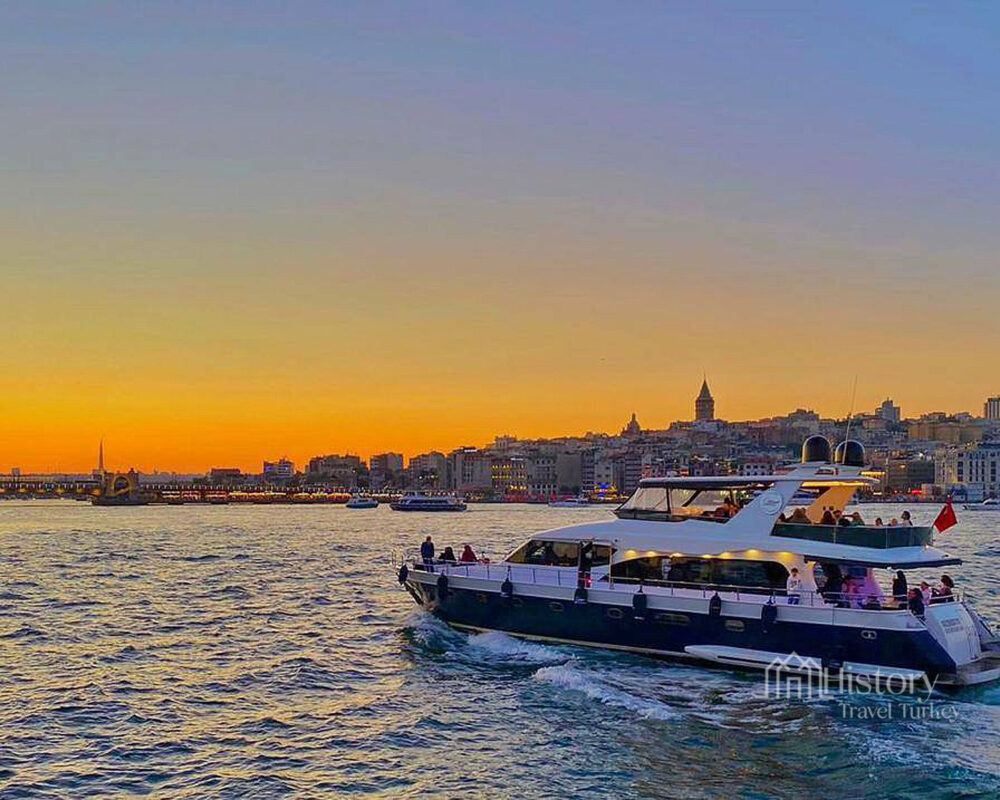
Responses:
[423,502]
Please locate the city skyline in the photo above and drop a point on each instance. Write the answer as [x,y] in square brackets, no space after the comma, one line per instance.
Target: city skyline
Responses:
[990,410]
[232,231]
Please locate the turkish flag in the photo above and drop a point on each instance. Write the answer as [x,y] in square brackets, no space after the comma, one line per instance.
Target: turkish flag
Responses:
[946,518]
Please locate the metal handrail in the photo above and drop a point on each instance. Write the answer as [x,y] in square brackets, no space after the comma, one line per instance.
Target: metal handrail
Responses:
[815,598]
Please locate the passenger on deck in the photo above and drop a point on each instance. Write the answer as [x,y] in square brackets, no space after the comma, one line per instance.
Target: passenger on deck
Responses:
[726,510]
[468,555]
[427,552]
[925,592]
[856,519]
[871,592]
[906,521]
[799,517]
[448,555]
[915,602]
[844,522]
[944,593]
[878,522]
[548,554]
[899,588]
[834,587]
[828,518]
[793,587]
[893,523]
[852,592]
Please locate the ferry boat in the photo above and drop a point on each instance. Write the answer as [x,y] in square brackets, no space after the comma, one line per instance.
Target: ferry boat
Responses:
[989,504]
[697,568]
[423,502]
[582,501]
[360,501]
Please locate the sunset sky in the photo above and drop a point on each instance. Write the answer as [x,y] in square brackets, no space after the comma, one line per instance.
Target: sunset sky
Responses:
[240,230]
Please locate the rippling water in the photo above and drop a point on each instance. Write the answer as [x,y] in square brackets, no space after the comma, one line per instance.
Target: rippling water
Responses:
[262,652]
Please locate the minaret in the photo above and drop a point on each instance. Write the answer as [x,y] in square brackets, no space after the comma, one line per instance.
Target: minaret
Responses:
[100,457]
[704,405]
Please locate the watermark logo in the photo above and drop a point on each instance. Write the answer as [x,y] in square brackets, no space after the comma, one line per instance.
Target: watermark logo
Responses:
[796,677]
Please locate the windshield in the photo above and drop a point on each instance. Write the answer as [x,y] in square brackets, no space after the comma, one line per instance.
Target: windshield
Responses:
[677,503]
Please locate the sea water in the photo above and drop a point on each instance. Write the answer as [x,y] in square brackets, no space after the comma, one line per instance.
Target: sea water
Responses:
[268,651]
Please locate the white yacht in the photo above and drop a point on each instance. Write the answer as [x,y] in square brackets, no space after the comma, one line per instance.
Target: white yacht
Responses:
[418,501]
[361,501]
[580,501]
[699,569]
[989,504]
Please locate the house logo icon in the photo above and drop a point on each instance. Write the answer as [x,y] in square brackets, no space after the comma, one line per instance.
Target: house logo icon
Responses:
[794,676]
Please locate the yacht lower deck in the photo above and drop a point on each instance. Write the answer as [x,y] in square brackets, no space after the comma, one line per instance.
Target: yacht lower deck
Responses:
[687,622]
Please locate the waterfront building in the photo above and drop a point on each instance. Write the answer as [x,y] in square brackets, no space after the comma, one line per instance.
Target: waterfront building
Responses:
[553,472]
[225,475]
[991,409]
[429,471]
[385,469]
[280,470]
[704,404]
[973,470]
[909,474]
[510,475]
[939,427]
[470,470]
[342,471]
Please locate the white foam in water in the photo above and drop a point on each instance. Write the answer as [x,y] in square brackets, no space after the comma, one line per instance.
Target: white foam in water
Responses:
[428,630]
[501,644]
[567,677]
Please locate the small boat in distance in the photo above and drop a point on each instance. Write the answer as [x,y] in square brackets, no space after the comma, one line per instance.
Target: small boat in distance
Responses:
[417,501]
[360,501]
[989,504]
[581,501]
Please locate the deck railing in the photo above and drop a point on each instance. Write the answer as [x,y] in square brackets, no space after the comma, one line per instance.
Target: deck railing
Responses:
[570,578]
[880,537]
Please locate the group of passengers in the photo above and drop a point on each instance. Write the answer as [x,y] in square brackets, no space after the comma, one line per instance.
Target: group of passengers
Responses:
[447,556]
[832,516]
[919,597]
[856,587]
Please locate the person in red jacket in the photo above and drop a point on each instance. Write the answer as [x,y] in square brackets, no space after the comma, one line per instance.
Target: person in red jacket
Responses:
[467,555]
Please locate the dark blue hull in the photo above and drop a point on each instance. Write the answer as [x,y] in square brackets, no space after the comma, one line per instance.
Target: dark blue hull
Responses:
[667,634]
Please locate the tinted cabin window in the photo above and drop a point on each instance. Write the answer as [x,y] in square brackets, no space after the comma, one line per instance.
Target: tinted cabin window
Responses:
[690,570]
[642,569]
[701,571]
[548,554]
[600,555]
[759,574]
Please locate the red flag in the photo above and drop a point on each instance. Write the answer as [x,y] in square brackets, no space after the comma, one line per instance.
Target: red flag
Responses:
[946,518]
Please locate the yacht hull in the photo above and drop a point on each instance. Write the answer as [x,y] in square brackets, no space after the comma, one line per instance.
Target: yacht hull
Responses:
[679,634]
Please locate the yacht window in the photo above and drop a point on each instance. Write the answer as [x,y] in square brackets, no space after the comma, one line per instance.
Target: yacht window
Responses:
[600,555]
[675,504]
[550,554]
[690,570]
[648,498]
[703,572]
[756,574]
[651,568]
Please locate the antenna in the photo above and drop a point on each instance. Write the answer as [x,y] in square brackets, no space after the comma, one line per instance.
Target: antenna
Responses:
[850,414]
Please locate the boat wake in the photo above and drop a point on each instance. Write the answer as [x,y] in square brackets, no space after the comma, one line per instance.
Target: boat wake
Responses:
[569,676]
[506,647]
